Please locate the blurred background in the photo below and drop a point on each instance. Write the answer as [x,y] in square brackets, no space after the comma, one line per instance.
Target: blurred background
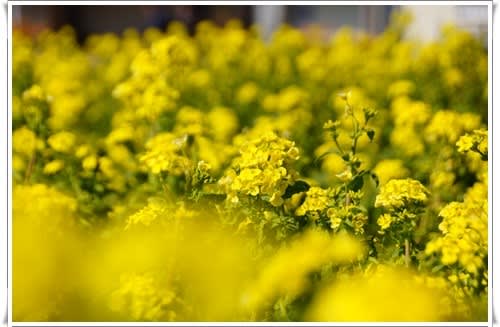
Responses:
[426,25]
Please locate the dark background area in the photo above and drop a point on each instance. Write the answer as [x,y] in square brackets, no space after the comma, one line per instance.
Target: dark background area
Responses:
[104,18]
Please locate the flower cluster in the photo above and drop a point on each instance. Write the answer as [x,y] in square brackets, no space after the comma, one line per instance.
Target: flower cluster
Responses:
[369,296]
[25,143]
[264,168]
[141,298]
[463,243]
[457,123]
[390,169]
[165,154]
[147,93]
[409,116]
[313,250]
[464,234]
[398,193]
[476,141]
[317,200]
[48,206]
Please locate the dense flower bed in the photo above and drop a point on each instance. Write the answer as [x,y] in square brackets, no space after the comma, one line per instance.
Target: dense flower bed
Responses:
[214,177]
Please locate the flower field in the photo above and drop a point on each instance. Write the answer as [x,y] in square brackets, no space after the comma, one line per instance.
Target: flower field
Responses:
[163,176]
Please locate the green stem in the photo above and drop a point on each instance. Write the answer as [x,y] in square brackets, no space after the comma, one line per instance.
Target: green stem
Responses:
[347,197]
[29,171]
[407,252]
[338,146]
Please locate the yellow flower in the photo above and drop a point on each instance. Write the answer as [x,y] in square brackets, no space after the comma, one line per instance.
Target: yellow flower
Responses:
[223,123]
[408,113]
[442,178]
[453,77]
[62,141]
[371,296]
[121,156]
[400,192]
[159,97]
[265,169]
[309,252]
[53,167]
[105,166]
[389,169]
[143,297]
[164,153]
[35,92]
[450,125]
[465,143]
[25,142]
[385,221]
[18,163]
[335,220]
[401,87]
[331,124]
[407,140]
[82,151]
[200,78]
[464,235]
[17,108]
[317,199]
[478,139]
[53,209]
[120,134]
[247,93]
[154,211]
[89,163]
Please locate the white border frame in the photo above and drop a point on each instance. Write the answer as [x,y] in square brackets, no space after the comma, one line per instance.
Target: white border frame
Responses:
[6,146]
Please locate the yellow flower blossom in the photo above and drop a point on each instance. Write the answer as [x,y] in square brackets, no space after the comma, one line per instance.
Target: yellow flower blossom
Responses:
[317,199]
[265,168]
[62,141]
[25,142]
[407,140]
[400,192]
[401,87]
[82,151]
[310,251]
[53,167]
[35,92]
[442,178]
[370,297]
[90,162]
[164,153]
[390,169]
[385,221]
[149,214]
[143,298]
[464,238]
[223,123]
[478,139]
[247,93]
[456,125]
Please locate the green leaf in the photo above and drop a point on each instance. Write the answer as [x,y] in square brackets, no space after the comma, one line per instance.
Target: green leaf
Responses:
[356,184]
[437,268]
[348,222]
[371,134]
[375,179]
[297,187]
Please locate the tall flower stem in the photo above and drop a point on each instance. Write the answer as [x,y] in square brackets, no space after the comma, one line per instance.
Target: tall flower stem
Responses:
[407,252]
